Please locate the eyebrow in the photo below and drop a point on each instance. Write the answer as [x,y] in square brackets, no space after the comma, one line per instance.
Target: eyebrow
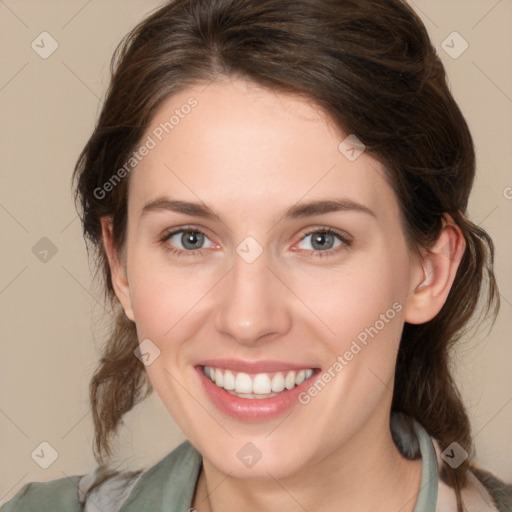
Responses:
[297,211]
[186,207]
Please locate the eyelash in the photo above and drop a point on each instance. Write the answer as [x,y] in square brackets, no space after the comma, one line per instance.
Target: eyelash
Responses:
[346,242]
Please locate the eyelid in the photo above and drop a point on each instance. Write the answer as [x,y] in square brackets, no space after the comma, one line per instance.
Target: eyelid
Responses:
[342,235]
[178,229]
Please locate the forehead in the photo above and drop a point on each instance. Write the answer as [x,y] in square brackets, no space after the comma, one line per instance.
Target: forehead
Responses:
[233,144]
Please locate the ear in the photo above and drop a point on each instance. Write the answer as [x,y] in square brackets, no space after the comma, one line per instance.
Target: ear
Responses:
[117,267]
[434,274]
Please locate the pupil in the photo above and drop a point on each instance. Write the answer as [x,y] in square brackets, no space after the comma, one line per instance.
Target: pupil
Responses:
[190,239]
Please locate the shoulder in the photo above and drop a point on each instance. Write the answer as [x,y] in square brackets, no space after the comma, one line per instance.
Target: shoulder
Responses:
[170,481]
[54,496]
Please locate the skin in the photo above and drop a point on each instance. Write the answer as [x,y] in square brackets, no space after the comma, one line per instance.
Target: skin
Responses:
[249,154]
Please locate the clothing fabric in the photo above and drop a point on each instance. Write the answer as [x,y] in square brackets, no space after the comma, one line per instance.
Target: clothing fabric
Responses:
[169,486]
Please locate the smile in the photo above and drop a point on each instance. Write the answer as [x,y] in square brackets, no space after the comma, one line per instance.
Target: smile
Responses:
[260,385]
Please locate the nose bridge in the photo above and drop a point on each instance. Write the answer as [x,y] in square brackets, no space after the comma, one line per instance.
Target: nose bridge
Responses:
[252,304]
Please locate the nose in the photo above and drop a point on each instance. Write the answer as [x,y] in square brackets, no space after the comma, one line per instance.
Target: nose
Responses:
[253,303]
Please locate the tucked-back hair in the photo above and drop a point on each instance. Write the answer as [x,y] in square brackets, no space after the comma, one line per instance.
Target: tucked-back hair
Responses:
[371,66]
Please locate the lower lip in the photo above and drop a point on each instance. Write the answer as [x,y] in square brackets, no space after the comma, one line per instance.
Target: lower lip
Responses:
[251,409]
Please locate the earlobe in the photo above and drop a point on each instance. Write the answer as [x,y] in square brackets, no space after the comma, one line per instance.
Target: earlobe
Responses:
[435,274]
[117,269]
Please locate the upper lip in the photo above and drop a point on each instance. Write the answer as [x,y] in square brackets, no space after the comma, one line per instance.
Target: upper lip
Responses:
[239,365]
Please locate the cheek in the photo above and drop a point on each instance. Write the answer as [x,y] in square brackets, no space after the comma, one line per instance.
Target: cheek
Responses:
[362,312]
[163,297]
[357,301]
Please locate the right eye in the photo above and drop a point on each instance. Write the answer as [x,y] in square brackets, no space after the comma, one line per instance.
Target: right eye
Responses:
[185,242]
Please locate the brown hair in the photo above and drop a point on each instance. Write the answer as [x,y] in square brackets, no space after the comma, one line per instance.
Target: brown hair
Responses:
[369,64]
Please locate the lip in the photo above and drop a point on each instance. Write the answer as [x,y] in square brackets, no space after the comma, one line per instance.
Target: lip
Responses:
[257,409]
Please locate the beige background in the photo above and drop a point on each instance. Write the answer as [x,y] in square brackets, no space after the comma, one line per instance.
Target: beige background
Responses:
[52,318]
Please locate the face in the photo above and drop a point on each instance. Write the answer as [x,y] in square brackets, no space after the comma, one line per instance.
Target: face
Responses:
[259,254]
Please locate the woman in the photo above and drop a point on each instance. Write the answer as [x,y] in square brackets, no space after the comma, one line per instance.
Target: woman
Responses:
[277,193]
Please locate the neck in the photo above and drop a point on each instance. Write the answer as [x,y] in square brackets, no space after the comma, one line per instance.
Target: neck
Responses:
[367,473]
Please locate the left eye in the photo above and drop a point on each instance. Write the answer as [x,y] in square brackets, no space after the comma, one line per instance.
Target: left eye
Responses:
[321,241]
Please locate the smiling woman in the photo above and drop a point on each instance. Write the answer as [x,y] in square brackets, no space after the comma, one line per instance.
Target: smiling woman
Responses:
[290,261]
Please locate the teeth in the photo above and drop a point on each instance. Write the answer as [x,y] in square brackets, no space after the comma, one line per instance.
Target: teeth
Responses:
[261,384]
[243,383]
[278,382]
[289,382]
[256,386]
[219,378]
[229,381]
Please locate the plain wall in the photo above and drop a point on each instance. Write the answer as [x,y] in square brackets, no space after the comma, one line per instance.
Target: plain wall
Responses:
[51,315]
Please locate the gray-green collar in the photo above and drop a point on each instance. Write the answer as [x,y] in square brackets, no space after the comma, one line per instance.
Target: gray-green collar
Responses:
[427,496]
